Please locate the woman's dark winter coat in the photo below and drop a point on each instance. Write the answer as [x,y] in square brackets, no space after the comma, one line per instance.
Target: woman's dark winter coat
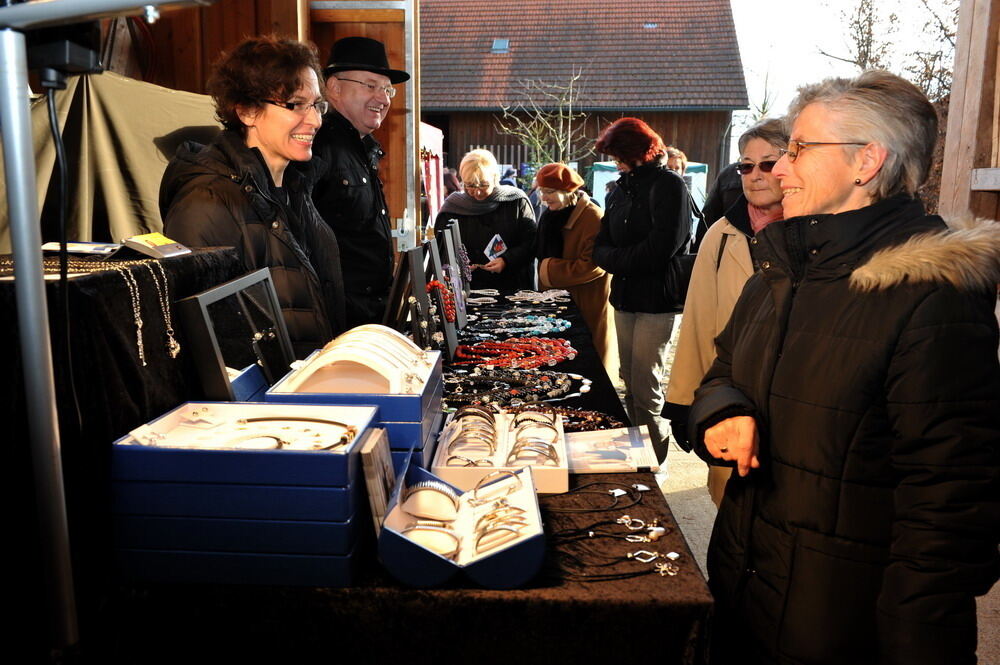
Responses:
[866,350]
[222,195]
[646,222]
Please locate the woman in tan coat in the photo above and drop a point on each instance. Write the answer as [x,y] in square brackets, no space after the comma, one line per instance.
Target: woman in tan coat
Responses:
[565,243]
[723,266]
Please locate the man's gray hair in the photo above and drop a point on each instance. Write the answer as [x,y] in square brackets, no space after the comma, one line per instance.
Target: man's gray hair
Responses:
[879,107]
[771,130]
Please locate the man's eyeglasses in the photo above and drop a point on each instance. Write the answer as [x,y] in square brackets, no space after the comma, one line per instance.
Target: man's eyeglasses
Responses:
[301,108]
[389,91]
[795,147]
[476,185]
[746,168]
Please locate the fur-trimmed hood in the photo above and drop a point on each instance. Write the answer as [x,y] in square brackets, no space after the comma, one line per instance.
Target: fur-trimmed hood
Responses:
[966,255]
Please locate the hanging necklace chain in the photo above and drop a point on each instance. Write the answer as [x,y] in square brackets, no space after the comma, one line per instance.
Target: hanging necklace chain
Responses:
[133,290]
[173,346]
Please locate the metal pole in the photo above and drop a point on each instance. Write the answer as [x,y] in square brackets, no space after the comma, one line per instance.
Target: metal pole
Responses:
[33,327]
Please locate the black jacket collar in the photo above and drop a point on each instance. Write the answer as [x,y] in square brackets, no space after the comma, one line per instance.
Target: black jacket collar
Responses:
[832,245]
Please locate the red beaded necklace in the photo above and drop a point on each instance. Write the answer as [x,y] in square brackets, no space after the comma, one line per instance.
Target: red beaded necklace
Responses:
[446,298]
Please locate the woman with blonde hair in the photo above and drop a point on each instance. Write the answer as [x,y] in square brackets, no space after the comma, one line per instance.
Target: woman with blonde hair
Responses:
[485,213]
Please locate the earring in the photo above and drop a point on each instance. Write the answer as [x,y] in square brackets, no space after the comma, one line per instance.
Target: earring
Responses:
[857,181]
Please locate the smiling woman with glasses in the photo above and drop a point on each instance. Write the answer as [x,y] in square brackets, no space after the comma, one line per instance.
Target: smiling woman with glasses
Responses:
[723,266]
[857,394]
[249,188]
[485,210]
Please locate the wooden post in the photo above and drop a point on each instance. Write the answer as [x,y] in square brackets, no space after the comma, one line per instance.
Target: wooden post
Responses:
[971,151]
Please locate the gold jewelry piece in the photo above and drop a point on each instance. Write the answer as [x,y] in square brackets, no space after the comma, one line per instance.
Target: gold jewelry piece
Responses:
[432,500]
[478,500]
[440,540]
[496,536]
[467,461]
[350,431]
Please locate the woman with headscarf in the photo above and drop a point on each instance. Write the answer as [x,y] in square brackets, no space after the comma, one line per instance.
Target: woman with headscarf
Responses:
[488,212]
[857,392]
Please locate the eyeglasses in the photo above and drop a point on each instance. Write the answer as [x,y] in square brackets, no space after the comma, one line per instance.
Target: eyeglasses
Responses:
[389,91]
[301,108]
[795,147]
[476,185]
[746,168]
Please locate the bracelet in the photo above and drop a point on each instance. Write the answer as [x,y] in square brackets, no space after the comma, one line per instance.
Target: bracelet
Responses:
[506,533]
[430,537]
[468,461]
[440,505]
[488,479]
[541,448]
[527,427]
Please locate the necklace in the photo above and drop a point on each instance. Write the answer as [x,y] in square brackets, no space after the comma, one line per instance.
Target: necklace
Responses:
[173,346]
[133,291]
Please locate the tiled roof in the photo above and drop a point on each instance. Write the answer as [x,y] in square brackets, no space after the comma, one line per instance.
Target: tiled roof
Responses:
[635,54]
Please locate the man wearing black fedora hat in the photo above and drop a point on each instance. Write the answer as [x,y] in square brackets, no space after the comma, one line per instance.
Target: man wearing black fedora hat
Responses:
[349,192]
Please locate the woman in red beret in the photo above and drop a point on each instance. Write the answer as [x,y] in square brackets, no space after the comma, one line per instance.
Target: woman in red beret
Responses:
[566,233]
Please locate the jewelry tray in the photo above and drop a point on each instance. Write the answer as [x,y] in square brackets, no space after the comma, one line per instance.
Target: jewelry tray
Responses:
[507,565]
[189,451]
[549,478]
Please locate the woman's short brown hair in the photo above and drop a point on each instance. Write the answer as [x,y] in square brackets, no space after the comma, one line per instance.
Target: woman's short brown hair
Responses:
[632,141]
[259,68]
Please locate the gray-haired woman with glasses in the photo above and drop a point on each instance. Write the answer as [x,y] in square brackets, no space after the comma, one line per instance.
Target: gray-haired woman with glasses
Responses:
[249,188]
[723,266]
[857,393]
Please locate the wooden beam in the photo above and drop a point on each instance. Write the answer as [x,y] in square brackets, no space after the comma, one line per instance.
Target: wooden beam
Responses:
[971,112]
[357,15]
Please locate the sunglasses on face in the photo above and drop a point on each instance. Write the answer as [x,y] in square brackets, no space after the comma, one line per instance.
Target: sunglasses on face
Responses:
[746,168]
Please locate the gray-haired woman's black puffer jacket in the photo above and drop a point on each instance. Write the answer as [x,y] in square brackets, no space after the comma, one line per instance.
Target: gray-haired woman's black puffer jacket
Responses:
[866,350]
[222,195]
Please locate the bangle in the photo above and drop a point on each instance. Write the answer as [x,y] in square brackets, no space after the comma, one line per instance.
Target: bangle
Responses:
[506,533]
[468,461]
[430,537]
[432,500]
[488,479]
[526,427]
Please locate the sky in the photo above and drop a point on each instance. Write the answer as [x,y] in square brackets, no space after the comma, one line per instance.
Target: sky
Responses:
[780,42]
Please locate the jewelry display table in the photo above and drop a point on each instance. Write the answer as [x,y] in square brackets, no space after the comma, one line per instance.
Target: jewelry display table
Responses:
[553,620]
[560,617]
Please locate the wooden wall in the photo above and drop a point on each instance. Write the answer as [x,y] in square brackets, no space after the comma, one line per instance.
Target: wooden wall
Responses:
[186,42]
[701,135]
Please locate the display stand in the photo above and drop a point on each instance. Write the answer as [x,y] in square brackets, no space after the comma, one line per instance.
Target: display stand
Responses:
[456,234]
[448,327]
[448,246]
[408,298]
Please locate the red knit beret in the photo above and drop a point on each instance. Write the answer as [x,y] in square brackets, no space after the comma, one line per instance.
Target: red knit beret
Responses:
[558,176]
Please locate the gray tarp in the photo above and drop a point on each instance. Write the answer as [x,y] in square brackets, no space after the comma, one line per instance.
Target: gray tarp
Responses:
[119,134]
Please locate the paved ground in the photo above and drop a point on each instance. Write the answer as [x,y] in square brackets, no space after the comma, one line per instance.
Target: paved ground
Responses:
[684,487]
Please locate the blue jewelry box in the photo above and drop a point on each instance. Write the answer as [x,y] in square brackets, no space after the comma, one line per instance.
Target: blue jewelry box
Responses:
[409,419]
[492,534]
[186,511]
